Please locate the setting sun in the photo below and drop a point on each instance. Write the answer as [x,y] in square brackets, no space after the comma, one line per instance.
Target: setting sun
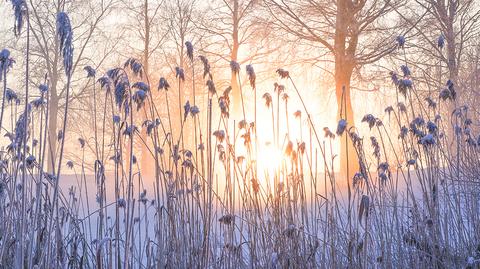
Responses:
[270,161]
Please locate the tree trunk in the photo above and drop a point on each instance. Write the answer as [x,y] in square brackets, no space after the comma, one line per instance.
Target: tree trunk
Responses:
[52,130]
[452,66]
[344,64]
[451,56]
[53,107]
[348,157]
[236,96]
[147,162]
[449,20]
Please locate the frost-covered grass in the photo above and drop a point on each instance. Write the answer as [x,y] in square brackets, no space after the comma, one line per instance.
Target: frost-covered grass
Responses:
[208,203]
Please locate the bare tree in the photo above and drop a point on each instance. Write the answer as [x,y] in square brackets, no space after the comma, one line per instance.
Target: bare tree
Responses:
[178,16]
[444,47]
[87,17]
[458,21]
[355,33]
[443,37]
[232,26]
[145,24]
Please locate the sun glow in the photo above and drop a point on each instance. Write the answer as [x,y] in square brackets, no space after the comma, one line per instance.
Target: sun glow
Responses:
[269,161]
